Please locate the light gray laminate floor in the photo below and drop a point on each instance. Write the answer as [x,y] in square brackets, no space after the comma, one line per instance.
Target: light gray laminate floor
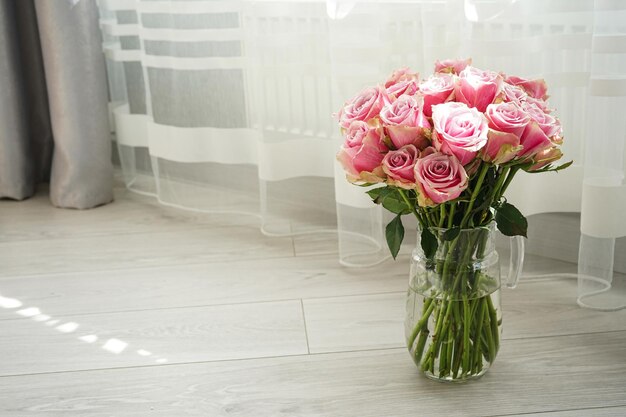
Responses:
[133,309]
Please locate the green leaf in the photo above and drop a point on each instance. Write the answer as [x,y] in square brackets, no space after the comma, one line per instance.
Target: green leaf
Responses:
[510,221]
[451,234]
[391,199]
[429,243]
[563,166]
[394,202]
[394,233]
[551,168]
[378,194]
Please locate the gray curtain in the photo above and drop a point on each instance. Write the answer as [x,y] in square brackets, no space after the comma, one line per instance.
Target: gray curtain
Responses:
[53,103]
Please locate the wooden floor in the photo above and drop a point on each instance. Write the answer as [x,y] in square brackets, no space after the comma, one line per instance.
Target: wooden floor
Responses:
[134,309]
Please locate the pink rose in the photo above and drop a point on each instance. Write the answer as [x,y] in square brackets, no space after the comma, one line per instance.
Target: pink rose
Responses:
[477,88]
[542,104]
[402,87]
[363,107]
[535,88]
[402,81]
[439,178]
[399,166]
[362,153]
[501,147]
[534,140]
[405,122]
[436,90]
[452,66]
[545,157]
[459,130]
[401,74]
[548,123]
[513,93]
[507,117]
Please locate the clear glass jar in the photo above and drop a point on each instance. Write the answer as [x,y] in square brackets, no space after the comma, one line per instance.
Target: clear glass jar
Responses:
[453,314]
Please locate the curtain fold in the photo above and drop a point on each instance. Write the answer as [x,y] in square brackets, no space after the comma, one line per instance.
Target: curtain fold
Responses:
[54,95]
[225,106]
[17,174]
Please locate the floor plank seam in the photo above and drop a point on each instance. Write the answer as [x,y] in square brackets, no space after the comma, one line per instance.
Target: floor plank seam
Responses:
[306,333]
[295,355]
[399,348]
[156,309]
[559,411]
[208,305]
[365,294]
[186,263]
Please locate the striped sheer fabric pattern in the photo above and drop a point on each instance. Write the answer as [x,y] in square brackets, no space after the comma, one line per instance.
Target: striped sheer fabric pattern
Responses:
[226,106]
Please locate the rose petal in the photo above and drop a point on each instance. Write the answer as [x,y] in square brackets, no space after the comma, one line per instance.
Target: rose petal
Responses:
[534,140]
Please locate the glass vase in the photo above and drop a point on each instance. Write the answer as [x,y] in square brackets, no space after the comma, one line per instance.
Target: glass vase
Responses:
[454,317]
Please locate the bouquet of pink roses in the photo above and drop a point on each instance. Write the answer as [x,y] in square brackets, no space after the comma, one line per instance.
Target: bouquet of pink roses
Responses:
[446,148]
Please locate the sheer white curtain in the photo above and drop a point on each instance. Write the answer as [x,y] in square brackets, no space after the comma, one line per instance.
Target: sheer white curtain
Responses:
[225,106]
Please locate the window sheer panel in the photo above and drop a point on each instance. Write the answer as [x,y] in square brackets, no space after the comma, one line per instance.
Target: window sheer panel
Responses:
[533,39]
[603,218]
[226,106]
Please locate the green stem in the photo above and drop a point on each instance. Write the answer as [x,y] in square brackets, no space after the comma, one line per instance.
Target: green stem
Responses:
[421,342]
[466,332]
[508,180]
[479,329]
[479,183]
[451,215]
[490,342]
[493,319]
[411,207]
[442,214]
[429,305]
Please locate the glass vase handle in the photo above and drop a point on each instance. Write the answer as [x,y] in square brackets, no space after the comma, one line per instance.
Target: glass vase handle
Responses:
[516,262]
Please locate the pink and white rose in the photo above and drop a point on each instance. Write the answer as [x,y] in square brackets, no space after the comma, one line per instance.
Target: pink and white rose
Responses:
[363,107]
[405,122]
[513,93]
[362,153]
[452,66]
[439,178]
[436,90]
[477,88]
[507,117]
[501,147]
[548,123]
[401,74]
[459,130]
[402,87]
[542,104]
[402,81]
[534,140]
[399,166]
[535,88]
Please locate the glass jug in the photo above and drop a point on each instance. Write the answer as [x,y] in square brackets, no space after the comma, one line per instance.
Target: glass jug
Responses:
[453,314]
